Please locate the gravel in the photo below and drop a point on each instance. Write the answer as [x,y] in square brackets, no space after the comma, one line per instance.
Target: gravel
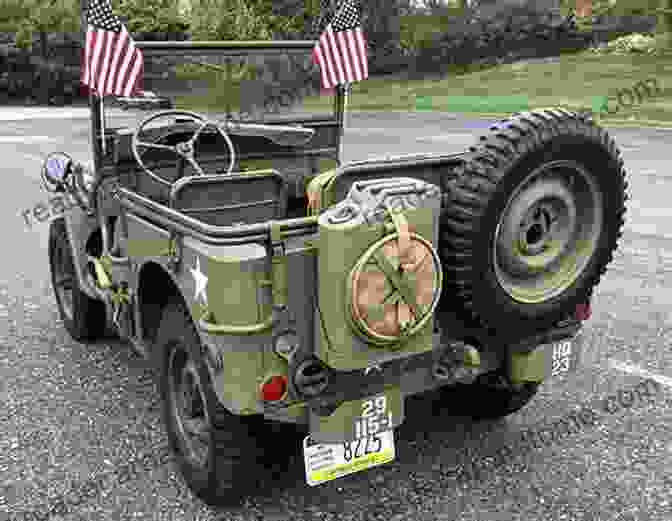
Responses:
[80,432]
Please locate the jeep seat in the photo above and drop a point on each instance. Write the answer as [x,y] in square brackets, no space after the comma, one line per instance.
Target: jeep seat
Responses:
[228,200]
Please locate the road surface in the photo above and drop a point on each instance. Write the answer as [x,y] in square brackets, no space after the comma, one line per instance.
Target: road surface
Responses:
[80,432]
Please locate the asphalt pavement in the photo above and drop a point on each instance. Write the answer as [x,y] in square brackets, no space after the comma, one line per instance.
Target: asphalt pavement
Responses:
[80,432]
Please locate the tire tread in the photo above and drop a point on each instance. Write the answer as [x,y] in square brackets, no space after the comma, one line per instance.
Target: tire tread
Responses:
[477,183]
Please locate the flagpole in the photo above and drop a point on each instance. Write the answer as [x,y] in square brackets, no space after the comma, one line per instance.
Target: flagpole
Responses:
[102,126]
[345,93]
[93,100]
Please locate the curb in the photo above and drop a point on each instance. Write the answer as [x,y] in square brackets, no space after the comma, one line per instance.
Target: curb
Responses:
[625,123]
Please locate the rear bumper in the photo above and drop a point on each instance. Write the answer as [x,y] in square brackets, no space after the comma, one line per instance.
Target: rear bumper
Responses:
[557,354]
[333,414]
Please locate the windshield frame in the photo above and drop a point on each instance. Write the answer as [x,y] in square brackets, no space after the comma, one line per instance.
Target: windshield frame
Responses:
[227,49]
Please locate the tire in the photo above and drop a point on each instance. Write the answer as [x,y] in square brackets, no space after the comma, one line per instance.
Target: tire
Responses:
[531,220]
[83,317]
[488,398]
[228,469]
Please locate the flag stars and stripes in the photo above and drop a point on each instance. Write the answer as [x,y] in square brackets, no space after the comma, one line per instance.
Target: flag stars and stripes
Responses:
[112,64]
[341,49]
[324,17]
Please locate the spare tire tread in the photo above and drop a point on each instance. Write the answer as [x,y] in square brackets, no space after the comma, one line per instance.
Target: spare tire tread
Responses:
[477,183]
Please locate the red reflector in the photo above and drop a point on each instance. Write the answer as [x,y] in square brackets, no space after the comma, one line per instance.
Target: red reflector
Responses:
[274,388]
[582,312]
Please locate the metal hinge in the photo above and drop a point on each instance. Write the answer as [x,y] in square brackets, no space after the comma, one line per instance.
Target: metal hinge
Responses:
[174,252]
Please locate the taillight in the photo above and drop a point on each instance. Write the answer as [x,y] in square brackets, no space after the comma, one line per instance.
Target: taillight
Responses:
[582,311]
[274,388]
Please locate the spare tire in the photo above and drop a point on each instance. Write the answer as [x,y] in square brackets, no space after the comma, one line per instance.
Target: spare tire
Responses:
[531,220]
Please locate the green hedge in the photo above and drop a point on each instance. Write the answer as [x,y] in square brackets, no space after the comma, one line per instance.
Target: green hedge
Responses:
[29,79]
[149,16]
[247,20]
[418,29]
[619,8]
[208,19]
[27,17]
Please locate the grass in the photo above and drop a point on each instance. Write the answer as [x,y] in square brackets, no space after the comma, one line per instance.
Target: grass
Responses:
[573,83]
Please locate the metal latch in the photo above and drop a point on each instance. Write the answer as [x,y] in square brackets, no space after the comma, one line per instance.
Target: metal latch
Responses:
[277,243]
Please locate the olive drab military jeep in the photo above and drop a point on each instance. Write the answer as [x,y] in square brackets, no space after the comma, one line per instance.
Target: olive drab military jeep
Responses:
[266,279]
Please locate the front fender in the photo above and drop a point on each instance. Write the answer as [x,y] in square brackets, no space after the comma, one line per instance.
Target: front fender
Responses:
[80,226]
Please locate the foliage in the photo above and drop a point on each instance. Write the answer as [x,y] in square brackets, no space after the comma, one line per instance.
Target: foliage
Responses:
[228,20]
[615,7]
[148,16]
[288,19]
[418,29]
[638,44]
[626,7]
[251,19]
[632,43]
[25,17]
[662,9]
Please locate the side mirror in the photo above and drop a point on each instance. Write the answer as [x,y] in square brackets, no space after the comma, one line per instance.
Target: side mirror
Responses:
[56,171]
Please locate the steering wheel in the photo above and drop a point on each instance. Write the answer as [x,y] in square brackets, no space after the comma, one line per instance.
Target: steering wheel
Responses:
[185,149]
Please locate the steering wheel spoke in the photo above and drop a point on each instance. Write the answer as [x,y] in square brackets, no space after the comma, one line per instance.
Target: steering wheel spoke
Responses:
[198,133]
[185,149]
[157,145]
[193,163]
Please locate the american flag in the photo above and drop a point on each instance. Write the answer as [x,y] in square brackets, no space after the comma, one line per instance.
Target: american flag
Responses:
[324,16]
[341,49]
[111,64]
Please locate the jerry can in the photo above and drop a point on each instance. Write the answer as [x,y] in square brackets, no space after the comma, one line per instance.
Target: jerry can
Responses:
[379,273]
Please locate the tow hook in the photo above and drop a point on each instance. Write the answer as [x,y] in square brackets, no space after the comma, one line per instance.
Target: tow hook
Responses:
[458,362]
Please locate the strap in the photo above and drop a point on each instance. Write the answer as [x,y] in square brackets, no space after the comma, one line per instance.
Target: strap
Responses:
[401,226]
[278,267]
[315,191]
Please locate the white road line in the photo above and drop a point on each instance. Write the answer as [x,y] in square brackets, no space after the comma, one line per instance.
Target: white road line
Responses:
[26,113]
[34,157]
[638,371]
[23,139]
[454,136]
[370,130]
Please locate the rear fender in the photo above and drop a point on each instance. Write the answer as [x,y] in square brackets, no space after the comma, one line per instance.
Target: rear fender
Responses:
[226,291]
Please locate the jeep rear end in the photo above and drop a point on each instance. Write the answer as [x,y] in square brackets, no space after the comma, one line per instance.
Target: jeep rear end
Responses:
[327,303]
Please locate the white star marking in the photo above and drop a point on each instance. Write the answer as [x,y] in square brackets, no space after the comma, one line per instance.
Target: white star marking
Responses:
[200,280]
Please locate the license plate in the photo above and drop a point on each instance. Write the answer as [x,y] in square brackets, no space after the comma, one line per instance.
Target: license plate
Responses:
[360,418]
[328,461]
[563,357]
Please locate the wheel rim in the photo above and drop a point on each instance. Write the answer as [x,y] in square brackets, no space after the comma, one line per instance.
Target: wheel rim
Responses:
[64,279]
[188,407]
[548,232]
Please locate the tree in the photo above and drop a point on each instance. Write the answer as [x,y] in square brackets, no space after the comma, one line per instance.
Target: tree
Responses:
[26,17]
[382,22]
[149,16]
